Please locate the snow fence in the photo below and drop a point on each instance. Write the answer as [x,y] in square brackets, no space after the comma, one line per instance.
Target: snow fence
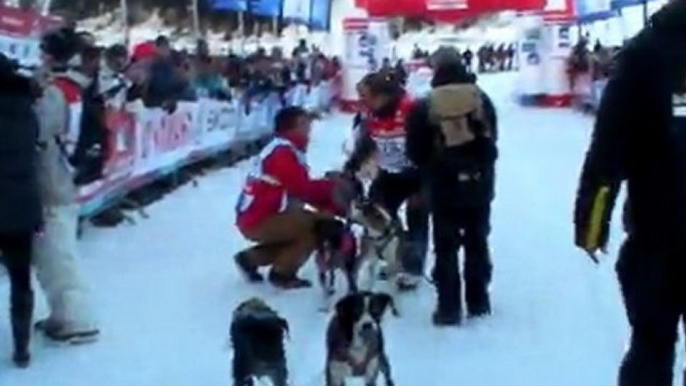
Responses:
[147,144]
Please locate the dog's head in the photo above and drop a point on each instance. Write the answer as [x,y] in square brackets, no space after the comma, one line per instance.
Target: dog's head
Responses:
[361,313]
[373,217]
[255,309]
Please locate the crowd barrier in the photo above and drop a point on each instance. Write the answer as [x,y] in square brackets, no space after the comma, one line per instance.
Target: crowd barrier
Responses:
[146,144]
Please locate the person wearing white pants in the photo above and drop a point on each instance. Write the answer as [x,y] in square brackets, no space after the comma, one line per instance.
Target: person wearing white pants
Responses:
[55,248]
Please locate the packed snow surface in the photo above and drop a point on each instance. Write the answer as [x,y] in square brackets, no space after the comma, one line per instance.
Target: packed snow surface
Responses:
[166,286]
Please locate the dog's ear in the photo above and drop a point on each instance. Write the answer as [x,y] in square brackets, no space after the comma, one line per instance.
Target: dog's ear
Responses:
[345,306]
[382,302]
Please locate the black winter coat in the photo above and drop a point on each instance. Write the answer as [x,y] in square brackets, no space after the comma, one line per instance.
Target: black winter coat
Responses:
[640,137]
[20,208]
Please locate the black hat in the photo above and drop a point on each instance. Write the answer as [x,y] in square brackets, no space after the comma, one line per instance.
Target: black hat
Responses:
[449,68]
[62,44]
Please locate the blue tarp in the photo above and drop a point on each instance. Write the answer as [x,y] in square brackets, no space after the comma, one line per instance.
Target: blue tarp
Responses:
[271,8]
[229,5]
[296,11]
[320,15]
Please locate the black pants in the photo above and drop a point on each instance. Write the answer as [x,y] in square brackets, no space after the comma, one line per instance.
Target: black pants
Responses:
[15,249]
[654,291]
[391,191]
[456,228]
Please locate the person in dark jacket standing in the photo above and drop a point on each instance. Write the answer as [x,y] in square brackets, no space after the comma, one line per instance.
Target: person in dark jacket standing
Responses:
[451,137]
[20,207]
[640,138]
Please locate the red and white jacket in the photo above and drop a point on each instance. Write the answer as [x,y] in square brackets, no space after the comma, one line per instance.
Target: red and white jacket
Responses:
[280,175]
[388,134]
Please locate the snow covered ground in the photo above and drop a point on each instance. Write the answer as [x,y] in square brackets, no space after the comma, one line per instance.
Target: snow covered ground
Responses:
[165,287]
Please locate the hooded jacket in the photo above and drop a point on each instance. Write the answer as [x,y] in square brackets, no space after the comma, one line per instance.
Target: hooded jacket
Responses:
[59,117]
[20,207]
[640,137]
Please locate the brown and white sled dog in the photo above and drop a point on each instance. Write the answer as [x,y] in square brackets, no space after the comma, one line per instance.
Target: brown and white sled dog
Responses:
[383,240]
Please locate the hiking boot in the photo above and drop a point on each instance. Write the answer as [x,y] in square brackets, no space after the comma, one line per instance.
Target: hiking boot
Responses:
[446,319]
[247,269]
[288,282]
[61,333]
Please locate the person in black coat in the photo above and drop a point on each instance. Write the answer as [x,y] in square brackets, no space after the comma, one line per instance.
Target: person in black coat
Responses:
[640,137]
[20,207]
[451,137]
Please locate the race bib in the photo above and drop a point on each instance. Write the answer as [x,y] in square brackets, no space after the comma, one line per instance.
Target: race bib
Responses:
[391,153]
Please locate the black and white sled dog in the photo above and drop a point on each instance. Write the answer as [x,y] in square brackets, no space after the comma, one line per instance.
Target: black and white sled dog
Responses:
[336,250]
[355,340]
[257,337]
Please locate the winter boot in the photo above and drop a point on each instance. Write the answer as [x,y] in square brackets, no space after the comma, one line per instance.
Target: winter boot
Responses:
[478,299]
[21,313]
[248,270]
[445,318]
[288,282]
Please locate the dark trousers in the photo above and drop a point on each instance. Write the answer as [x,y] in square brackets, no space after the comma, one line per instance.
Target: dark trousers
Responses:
[456,228]
[391,191]
[654,291]
[15,249]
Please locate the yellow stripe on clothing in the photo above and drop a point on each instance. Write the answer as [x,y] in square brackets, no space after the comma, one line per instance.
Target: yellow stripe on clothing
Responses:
[596,220]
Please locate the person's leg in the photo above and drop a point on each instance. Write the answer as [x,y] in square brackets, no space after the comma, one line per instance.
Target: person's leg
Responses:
[285,242]
[417,214]
[55,257]
[16,250]
[653,313]
[446,272]
[388,190]
[478,268]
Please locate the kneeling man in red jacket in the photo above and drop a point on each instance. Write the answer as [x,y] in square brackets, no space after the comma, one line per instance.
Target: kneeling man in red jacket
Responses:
[270,209]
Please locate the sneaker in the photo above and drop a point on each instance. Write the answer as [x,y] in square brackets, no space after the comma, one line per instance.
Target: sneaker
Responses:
[407,282]
[58,332]
[248,270]
[442,319]
[288,282]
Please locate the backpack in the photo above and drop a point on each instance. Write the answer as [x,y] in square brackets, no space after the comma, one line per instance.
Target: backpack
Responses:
[88,154]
